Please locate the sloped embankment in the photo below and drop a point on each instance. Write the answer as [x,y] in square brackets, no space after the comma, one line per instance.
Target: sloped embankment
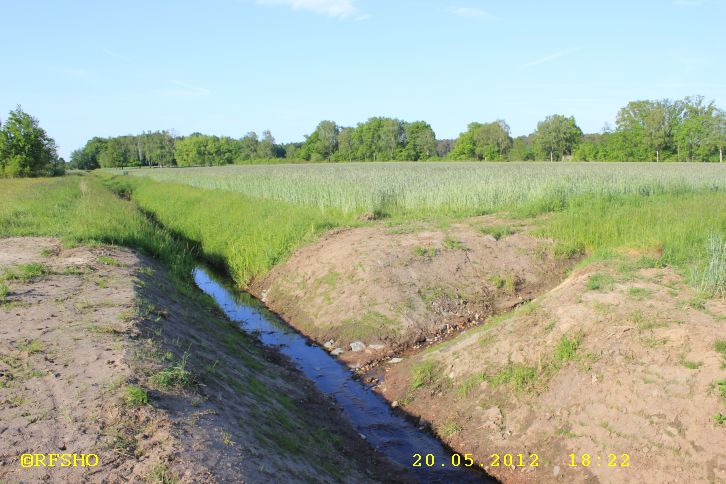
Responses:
[101,352]
[616,360]
[384,289]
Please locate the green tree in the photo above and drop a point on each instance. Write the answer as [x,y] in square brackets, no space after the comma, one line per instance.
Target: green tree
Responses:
[322,143]
[248,146]
[648,127]
[488,142]
[26,149]
[86,158]
[693,133]
[717,132]
[557,136]
[346,144]
[266,147]
[419,141]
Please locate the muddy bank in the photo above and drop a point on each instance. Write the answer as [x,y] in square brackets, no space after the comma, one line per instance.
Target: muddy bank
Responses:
[368,293]
[100,352]
[617,362]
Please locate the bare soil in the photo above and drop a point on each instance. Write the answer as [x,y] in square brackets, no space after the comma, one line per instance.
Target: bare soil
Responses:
[99,321]
[394,288]
[641,381]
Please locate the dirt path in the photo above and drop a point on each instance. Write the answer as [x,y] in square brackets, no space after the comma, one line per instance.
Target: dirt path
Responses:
[102,353]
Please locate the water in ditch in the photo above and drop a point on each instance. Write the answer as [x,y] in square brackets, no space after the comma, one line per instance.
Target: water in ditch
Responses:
[389,434]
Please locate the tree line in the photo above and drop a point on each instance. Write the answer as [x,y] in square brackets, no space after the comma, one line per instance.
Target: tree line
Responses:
[690,129]
[660,130]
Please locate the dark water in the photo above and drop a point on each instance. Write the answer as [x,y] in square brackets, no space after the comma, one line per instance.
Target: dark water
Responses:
[391,435]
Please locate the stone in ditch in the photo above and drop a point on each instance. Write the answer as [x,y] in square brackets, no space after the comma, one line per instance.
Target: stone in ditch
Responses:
[357,346]
[395,360]
[337,352]
[329,344]
[377,347]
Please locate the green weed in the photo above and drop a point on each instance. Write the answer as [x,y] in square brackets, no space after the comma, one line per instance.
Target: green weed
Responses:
[639,293]
[173,376]
[567,348]
[109,261]
[600,282]
[520,376]
[135,396]
[498,231]
[453,244]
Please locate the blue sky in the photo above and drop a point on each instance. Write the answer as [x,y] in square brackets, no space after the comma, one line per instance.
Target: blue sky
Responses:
[226,67]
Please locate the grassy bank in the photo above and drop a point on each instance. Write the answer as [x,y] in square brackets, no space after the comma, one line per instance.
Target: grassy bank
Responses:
[686,231]
[668,218]
[79,209]
[246,235]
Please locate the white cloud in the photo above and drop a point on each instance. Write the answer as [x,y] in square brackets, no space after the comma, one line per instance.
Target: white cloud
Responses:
[183,89]
[331,8]
[473,13]
[551,57]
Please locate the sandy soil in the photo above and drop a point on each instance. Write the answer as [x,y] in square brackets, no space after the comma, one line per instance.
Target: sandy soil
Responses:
[393,288]
[99,320]
[641,381]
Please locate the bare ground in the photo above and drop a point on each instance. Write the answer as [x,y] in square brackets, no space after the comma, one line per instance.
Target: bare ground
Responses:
[641,380]
[393,288]
[83,327]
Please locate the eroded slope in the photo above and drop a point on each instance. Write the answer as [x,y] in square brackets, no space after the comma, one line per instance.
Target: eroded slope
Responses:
[100,352]
[616,360]
[393,287]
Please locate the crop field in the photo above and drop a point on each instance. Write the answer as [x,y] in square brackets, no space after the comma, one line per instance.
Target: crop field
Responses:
[447,188]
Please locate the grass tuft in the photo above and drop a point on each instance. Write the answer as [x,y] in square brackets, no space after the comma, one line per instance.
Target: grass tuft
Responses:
[135,396]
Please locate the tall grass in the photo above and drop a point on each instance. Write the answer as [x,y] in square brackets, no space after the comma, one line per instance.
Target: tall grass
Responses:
[447,188]
[713,276]
[670,228]
[81,210]
[248,236]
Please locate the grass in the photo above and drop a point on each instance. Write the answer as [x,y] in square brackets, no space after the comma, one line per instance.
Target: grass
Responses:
[506,283]
[457,189]
[425,251]
[667,229]
[469,383]
[453,244]
[25,272]
[600,282]
[428,374]
[79,209]
[451,428]
[135,396]
[250,218]
[4,291]
[711,279]
[248,236]
[566,348]
[720,347]
[498,231]
[32,347]
[519,376]
[108,261]
[639,293]
[176,376]
[160,474]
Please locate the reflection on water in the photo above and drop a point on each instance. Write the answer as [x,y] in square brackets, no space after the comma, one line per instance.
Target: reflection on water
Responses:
[370,415]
